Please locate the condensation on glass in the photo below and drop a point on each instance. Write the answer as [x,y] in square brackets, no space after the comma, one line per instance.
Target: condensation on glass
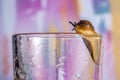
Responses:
[55,56]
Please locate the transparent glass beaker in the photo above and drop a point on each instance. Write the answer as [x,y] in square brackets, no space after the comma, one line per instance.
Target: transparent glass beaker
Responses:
[56,56]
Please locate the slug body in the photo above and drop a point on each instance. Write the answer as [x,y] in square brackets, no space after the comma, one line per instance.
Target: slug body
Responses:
[86,29]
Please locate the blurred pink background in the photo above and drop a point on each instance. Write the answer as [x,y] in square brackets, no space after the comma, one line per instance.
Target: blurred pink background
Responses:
[19,16]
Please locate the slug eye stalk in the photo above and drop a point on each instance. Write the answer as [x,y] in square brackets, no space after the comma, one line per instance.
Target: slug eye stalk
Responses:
[74,24]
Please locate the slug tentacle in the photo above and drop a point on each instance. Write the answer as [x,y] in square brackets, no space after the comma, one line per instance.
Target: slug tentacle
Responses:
[74,24]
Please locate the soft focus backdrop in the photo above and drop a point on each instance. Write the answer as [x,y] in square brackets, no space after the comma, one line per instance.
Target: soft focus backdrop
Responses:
[19,16]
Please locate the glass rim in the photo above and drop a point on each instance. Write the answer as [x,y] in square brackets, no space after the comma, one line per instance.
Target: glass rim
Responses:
[54,33]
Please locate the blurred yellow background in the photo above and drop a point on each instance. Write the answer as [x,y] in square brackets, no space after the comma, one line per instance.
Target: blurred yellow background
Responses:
[115,5]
